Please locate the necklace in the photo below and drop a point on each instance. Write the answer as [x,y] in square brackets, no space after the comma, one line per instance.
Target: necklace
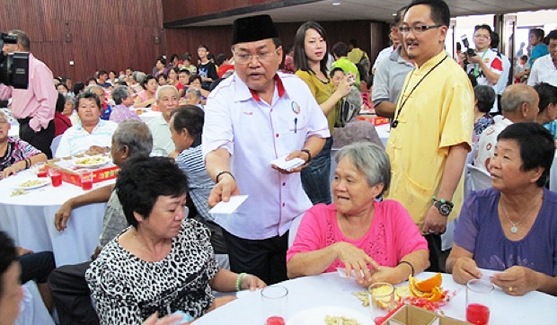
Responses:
[514,226]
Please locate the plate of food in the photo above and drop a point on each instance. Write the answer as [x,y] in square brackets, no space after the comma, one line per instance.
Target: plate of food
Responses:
[330,315]
[90,162]
[33,183]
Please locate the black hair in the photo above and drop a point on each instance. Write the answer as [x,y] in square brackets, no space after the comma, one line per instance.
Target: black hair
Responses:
[494,40]
[142,180]
[220,58]
[195,77]
[78,87]
[340,49]
[538,32]
[60,103]
[300,58]
[485,95]
[88,95]
[191,118]
[161,58]
[332,73]
[8,256]
[547,94]
[536,145]
[146,80]
[440,12]
[551,35]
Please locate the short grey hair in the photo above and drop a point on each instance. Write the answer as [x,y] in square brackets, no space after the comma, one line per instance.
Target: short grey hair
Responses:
[136,136]
[194,91]
[138,76]
[91,87]
[162,88]
[515,95]
[369,159]
[120,93]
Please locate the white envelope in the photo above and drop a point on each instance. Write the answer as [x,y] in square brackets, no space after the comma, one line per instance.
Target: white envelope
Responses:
[288,165]
[230,206]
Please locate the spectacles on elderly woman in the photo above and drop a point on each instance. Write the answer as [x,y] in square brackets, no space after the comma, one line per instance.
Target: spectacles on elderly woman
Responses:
[244,58]
[417,29]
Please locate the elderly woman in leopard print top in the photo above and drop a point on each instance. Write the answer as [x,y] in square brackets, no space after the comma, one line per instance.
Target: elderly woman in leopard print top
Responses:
[164,261]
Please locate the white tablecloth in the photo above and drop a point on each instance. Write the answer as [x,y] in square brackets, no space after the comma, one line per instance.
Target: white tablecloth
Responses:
[384,130]
[29,219]
[332,290]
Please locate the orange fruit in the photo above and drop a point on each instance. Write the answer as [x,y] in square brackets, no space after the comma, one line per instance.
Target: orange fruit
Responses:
[429,284]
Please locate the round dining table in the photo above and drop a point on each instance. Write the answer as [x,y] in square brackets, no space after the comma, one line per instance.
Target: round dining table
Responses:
[330,291]
[28,217]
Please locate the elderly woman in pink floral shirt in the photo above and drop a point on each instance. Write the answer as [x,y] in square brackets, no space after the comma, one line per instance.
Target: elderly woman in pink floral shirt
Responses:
[123,110]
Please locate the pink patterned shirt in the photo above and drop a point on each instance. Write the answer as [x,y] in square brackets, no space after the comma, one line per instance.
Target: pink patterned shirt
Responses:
[392,234]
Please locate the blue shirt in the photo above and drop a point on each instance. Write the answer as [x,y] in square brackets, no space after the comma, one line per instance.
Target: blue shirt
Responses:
[479,231]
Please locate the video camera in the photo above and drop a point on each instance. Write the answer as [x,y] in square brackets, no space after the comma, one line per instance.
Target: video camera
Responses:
[14,67]
[466,44]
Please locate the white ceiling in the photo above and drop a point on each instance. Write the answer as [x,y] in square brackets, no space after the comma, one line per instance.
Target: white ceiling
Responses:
[382,10]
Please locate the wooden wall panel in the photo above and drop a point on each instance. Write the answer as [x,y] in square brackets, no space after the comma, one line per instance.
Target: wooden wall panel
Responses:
[178,9]
[114,34]
[100,34]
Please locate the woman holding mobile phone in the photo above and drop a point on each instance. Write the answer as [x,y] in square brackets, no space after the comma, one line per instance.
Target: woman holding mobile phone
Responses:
[310,59]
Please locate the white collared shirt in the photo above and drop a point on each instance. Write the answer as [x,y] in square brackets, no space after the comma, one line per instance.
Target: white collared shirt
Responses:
[255,133]
[77,140]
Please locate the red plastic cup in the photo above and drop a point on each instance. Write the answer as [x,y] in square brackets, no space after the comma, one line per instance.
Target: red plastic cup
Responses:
[55,177]
[478,299]
[477,314]
[275,320]
[42,170]
[86,178]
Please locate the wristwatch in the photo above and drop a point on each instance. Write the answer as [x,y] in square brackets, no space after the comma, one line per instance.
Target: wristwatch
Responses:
[444,206]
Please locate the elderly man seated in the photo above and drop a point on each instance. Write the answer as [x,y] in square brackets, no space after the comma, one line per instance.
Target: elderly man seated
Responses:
[167,101]
[93,135]
[519,103]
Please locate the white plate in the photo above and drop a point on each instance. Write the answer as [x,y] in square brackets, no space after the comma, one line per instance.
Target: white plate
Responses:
[316,316]
[90,162]
[33,183]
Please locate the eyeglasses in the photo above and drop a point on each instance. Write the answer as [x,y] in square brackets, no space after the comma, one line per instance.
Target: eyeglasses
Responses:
[417,29]
[244,58]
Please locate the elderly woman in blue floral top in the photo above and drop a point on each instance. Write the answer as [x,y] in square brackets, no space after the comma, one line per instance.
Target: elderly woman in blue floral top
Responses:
[15,154]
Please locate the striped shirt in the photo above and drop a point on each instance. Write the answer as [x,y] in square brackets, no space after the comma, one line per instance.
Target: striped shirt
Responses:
[191,163]
[17,150]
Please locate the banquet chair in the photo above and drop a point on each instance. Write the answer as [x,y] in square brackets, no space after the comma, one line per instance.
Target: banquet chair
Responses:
[54,144]
[479,178]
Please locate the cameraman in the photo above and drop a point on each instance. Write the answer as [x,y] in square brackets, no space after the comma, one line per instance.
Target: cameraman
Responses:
[485,66]
[32,107]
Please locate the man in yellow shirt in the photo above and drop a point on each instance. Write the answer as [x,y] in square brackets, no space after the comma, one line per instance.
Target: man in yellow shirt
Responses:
[432,127]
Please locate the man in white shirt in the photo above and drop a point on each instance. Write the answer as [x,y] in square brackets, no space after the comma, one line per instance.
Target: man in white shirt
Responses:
[166,98]
[384,53]
[93,135]
[486,66]
[545,68]
[519,103]
[252,118]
